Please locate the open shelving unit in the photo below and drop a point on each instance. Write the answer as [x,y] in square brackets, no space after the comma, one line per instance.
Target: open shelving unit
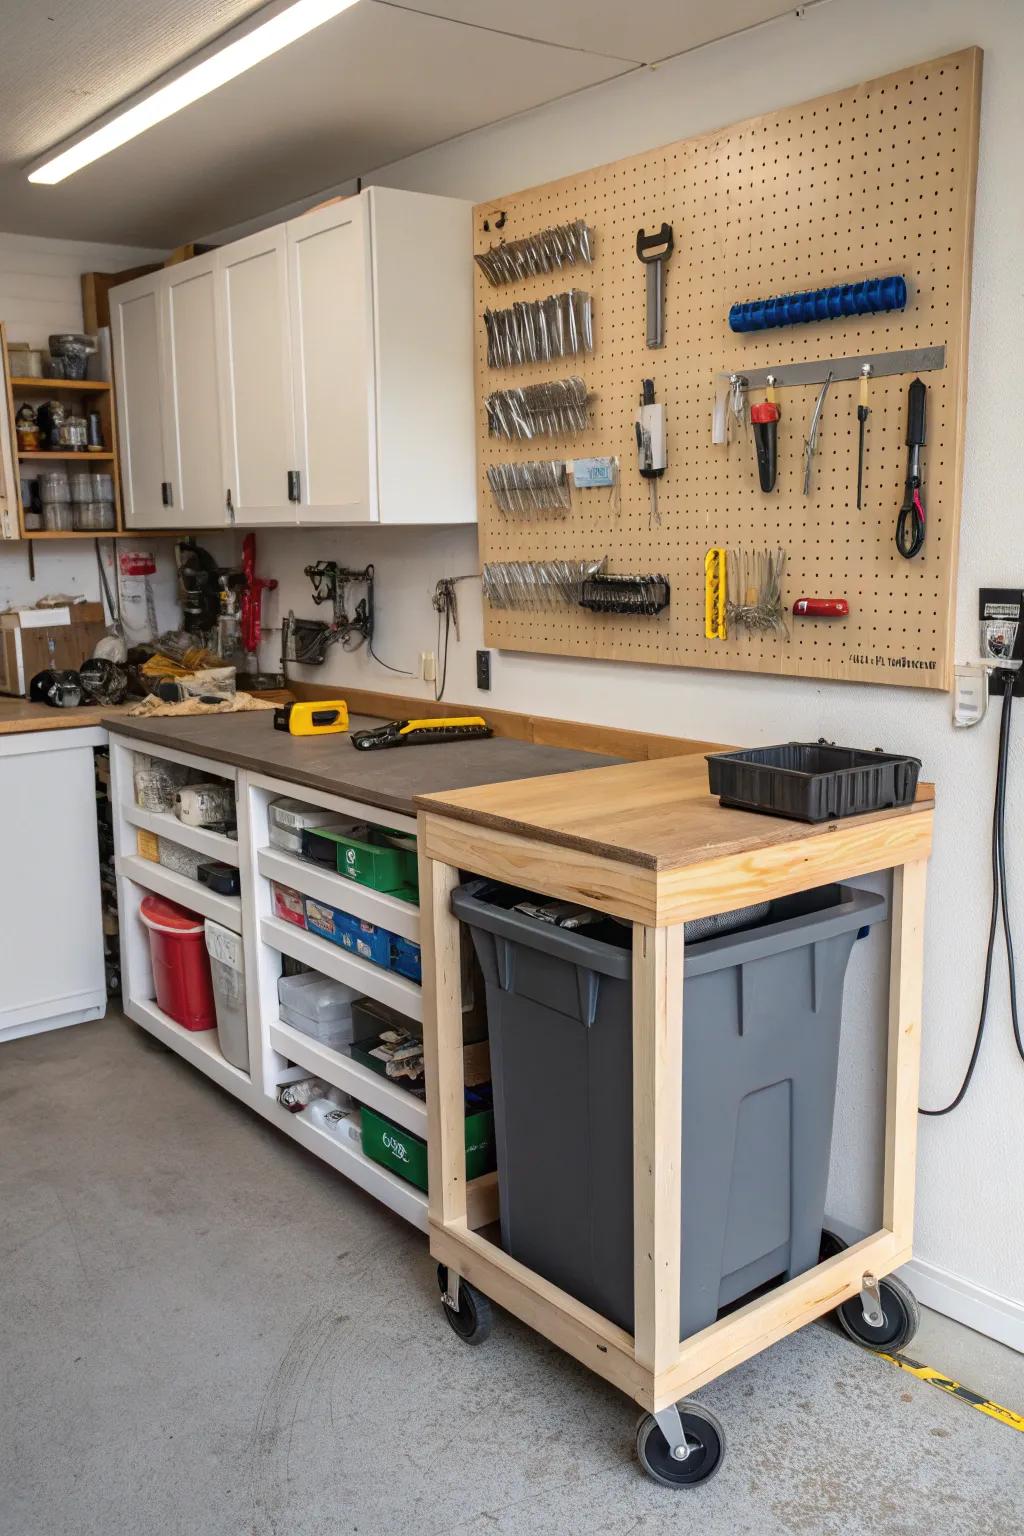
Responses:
[277,1053]
[91,394]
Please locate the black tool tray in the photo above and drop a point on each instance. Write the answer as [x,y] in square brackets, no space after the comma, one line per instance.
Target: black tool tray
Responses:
[812,781]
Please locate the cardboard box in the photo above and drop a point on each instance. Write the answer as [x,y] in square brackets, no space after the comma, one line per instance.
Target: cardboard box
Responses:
[36,638]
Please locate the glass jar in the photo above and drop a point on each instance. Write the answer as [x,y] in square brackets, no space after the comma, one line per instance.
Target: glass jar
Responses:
[82,488]
[73,434]
[94,516]
[54,485]
[27,428]
[58,517]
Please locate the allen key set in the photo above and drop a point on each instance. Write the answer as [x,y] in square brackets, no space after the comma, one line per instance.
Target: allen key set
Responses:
[521,489]
[539,410]
[564,245]
[540,330]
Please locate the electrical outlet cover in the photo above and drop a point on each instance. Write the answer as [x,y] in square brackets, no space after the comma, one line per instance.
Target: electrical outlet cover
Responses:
[483,670]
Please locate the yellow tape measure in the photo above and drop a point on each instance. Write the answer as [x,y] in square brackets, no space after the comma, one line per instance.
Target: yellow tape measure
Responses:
[312,717]
[957,1389]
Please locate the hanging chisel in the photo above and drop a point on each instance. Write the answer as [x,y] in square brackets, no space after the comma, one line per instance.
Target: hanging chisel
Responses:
[862,419]
[654,251]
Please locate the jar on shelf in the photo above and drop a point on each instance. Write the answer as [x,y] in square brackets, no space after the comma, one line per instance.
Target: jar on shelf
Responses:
[26,425]
[82,487]
[58,517]
[73,434]
[54,485]
[94,516]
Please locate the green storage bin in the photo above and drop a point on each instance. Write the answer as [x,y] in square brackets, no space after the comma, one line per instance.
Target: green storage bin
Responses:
[376,863]
[406,1154]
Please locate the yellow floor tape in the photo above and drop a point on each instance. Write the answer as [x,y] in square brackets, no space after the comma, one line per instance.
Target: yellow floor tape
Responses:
[955,1389]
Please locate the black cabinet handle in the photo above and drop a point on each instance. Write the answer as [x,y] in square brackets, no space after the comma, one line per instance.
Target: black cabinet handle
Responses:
[294,486]
[167,493]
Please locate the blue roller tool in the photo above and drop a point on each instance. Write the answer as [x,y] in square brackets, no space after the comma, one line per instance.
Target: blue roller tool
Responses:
[868,298]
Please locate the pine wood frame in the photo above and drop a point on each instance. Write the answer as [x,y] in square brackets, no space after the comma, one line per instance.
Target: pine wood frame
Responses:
[652,1366]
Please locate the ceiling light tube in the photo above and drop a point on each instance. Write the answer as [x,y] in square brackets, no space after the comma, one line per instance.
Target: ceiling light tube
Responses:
[221,63]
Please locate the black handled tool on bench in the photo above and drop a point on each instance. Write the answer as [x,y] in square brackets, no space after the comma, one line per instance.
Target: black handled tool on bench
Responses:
[654,251]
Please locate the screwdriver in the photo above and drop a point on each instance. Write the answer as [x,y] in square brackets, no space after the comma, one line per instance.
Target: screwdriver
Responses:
[862,418]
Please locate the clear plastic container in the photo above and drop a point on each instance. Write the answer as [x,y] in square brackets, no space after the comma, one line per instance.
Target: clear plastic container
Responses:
[54,485]
[94,516]
[58,517]
[81,487]
[319,1007]
[227,968]
[102,486]
[157,782]
[184,861]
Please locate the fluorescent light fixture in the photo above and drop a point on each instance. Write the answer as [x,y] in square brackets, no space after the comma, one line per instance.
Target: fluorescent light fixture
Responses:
[221,64]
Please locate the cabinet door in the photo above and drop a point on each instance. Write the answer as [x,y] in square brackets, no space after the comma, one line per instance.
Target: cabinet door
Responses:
[330,304]
[135,317]
[193,420]
[259,436]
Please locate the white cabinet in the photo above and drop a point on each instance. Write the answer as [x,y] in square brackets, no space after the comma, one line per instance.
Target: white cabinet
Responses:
[135,319]
[320,372]
[256,377]
[329,290]
[191,375]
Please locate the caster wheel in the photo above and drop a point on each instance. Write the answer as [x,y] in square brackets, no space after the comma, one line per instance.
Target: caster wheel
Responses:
[472,1322]
[831,1244]
[705,1437]
[902,1318]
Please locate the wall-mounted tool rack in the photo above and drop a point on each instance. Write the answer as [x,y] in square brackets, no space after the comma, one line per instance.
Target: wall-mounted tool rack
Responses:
[870,181]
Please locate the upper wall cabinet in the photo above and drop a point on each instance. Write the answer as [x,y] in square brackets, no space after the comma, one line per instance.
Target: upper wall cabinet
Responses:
[319,372]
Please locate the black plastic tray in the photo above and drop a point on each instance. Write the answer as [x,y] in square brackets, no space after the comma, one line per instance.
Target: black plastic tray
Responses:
[812,780]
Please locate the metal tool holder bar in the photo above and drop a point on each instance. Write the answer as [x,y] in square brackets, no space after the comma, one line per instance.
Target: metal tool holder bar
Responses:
[843,369]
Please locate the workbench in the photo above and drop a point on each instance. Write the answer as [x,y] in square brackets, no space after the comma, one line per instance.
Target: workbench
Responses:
[646,842]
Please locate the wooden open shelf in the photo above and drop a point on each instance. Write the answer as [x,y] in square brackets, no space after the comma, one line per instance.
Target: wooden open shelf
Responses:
[101,392]
[52,386]
[99,455]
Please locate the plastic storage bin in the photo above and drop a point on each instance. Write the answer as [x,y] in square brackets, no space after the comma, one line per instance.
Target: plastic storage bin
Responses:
[762,1015]
[812,781]
[227,970]
[405,1153]
[288,904]
[318,1007]
[181,966]
[405,958]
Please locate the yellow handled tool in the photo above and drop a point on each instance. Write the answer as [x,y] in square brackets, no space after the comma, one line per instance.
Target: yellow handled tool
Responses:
[445,728]
[714,594]
[312,717]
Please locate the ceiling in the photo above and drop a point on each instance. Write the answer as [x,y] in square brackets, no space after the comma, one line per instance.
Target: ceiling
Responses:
[377,83]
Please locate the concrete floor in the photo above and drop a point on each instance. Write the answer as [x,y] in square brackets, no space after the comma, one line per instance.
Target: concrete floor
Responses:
[205,1331]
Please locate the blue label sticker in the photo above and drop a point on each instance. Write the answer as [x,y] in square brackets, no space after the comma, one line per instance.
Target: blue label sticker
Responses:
[591,472]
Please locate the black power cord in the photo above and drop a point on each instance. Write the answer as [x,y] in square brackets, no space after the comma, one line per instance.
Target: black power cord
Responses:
[999,901]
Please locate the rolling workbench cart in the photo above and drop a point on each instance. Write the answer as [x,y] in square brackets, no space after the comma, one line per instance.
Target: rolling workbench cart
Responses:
[645,842]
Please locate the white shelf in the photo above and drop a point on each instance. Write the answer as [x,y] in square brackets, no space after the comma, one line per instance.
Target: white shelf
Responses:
[363,1084]
[189,893]
[403,1198]
[332,960]
[199,839]
[389,912]
[197,1046]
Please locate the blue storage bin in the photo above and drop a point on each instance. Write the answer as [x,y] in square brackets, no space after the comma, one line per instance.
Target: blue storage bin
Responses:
[405,958]
[351,933]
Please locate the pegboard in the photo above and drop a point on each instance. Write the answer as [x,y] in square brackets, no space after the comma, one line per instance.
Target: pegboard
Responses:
[873,180]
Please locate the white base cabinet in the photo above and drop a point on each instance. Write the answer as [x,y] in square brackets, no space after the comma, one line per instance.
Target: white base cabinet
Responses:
[319,372]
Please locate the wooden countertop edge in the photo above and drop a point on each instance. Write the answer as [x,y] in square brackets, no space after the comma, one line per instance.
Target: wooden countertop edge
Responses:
[436,805]
[81,718]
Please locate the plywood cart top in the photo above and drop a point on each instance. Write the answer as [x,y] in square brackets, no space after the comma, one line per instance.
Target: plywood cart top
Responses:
[646,841]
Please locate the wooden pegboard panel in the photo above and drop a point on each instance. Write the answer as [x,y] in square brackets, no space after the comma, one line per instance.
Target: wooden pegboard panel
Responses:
[874,180]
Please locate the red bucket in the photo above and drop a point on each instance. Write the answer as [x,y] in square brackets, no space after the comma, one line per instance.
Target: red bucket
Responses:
[181,965]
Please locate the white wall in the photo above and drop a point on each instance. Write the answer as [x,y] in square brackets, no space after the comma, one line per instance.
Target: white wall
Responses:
[40,292]
[971,1198]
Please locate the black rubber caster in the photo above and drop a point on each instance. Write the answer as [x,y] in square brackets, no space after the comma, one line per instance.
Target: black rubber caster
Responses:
[704,1436]
[472,1322]
[901,1318]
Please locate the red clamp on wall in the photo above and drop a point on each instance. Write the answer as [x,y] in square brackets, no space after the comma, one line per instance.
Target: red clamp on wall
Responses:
[821,608]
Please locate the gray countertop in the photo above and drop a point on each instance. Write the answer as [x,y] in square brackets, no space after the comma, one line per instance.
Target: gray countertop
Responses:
[388,779]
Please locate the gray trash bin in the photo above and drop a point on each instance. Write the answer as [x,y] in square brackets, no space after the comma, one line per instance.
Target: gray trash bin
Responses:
[762,1010]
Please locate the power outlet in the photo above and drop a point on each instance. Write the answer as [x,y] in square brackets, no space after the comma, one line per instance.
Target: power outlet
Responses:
[428,666]
[483,670]
[1001,620]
